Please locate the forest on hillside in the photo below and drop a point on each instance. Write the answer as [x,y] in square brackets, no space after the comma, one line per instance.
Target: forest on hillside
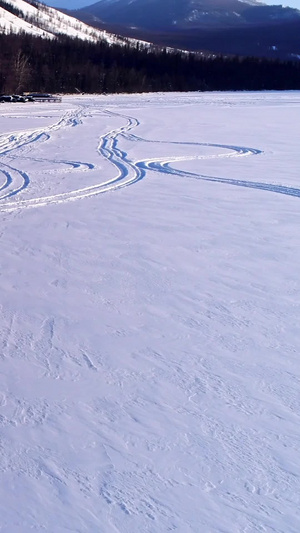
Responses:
[67,65]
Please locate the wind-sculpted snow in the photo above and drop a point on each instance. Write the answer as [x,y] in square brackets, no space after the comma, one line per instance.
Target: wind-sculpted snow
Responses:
[149,338]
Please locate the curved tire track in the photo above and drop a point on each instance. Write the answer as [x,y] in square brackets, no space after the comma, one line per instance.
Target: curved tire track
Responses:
[22,140]
[14,175]
[128,172]
[14,141]
[8,180]
[163,166]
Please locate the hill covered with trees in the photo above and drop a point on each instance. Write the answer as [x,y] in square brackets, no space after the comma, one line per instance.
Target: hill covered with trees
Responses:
[67,65]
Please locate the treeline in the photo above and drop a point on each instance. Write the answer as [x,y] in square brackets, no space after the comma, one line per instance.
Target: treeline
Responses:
[11,8]
[67,65]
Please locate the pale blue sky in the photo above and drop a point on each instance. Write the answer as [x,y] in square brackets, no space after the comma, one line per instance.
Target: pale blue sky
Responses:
[76,4]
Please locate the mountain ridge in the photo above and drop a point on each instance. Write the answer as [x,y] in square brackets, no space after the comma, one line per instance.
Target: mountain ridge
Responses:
[242,27]
[174,15]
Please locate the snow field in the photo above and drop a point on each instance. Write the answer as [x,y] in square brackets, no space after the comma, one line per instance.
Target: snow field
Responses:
[149,336]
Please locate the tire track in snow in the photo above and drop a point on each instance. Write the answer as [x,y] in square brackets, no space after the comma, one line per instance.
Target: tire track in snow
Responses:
[8,180]
[13,141]
[9,143]
[163,165]
[128,172]
[13,176]
[279,189]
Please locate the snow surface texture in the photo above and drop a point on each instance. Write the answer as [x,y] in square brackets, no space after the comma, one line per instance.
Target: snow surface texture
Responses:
[149,337]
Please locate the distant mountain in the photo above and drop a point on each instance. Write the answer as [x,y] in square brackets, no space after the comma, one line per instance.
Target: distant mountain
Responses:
[175,15]
[244,27]
[32,17]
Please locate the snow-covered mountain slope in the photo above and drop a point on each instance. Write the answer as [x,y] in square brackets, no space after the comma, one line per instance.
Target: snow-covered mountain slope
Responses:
[38,19]
[10,23]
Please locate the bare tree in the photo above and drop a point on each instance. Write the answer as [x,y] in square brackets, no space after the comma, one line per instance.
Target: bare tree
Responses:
[21,71]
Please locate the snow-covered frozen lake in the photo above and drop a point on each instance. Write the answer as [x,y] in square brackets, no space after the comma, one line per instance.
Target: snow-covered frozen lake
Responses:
[150,314]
